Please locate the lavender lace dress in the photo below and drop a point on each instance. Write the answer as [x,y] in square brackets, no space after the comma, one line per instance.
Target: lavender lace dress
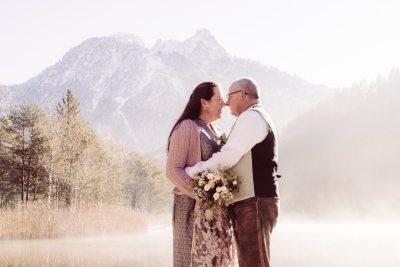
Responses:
[211,241]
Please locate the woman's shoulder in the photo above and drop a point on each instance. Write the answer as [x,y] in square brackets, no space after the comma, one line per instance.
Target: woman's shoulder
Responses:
[187,124]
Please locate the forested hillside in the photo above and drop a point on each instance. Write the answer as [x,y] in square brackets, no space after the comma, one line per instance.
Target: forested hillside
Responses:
[59,159]
[341,159]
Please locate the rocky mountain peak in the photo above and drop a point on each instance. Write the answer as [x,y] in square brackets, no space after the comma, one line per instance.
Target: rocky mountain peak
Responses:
[201,46]
[128,38]
[205,35]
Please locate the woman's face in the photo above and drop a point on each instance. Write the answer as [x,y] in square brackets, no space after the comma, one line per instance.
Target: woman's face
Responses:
[215,105]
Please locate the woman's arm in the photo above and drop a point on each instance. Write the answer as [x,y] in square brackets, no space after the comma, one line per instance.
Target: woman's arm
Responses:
[250,129]
[177,158]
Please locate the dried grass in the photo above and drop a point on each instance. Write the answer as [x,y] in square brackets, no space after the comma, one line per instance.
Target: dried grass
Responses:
[28,221]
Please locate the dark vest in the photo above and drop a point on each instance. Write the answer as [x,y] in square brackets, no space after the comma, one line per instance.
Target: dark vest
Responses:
[265,161]
[258,166]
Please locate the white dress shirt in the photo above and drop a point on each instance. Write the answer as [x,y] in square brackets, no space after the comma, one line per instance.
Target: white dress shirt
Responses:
[249,130]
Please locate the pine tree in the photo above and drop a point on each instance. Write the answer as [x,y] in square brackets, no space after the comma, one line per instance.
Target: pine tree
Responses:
[16,127]
[22,137]
[69,107]
[6,172]
[71,141]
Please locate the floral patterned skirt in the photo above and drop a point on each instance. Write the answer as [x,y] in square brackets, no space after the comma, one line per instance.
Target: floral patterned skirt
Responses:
[199,241]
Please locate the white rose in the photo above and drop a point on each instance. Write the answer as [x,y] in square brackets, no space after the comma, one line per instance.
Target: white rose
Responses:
[210,176]
[218,189]
[217,177]
[207,187]
[224,189]
[234,182]
[216,196]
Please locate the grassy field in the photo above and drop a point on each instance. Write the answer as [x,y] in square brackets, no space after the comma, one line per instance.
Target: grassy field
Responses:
[32,221]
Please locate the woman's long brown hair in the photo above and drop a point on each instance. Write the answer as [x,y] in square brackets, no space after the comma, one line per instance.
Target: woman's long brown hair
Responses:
[193,106]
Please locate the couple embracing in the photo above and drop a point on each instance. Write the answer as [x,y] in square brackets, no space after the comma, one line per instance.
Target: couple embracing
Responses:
[251,150]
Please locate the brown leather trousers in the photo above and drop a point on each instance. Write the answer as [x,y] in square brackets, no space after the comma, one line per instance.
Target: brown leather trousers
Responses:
[253,221]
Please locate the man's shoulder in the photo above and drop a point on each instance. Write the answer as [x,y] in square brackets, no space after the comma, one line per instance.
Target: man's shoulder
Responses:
[252,119]
[251,115]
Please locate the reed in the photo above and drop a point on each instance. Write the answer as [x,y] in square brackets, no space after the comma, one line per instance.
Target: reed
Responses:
[35,220]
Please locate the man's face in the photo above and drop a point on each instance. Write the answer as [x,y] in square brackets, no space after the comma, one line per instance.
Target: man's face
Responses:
[233,101]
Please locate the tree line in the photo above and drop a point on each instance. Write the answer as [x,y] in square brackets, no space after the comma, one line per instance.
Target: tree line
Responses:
[340,159]
[58,158]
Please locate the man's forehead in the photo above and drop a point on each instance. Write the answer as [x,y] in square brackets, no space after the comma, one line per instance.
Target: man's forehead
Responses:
[233,87]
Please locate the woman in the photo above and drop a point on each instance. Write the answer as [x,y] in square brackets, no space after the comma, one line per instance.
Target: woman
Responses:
[197,240]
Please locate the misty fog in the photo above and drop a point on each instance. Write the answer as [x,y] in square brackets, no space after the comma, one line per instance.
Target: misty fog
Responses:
[340,161]
[294,244]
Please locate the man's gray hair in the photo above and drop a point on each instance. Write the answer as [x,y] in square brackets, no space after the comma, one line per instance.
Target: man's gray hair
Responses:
[249,85]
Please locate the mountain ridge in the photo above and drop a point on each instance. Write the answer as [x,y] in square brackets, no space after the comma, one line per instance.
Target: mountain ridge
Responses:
[130,89]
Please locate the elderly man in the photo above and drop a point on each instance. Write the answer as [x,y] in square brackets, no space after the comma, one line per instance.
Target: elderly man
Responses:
[252,150]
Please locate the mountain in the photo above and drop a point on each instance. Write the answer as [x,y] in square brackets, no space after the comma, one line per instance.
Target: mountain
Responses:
[340,160]
[138,92]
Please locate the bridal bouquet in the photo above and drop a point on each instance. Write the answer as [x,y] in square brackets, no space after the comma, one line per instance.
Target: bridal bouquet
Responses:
[215,188]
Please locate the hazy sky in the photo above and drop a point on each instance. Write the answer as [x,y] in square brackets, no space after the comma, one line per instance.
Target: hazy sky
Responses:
[335,43]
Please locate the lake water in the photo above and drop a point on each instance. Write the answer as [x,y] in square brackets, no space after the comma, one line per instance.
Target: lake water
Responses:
[293,245]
